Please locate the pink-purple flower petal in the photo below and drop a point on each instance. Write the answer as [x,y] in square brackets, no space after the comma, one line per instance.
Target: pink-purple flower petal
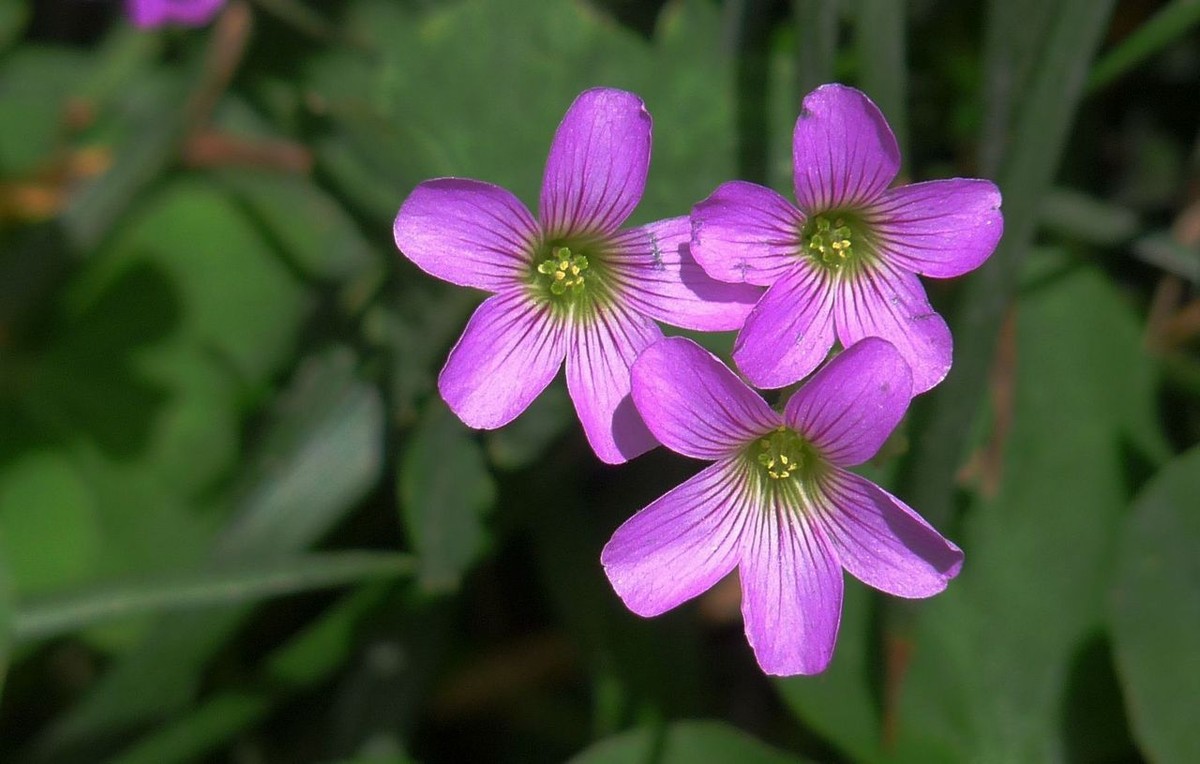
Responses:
[659,277]
[511,349]
[881,541]
[884,301]
[596,170]
[467,232]
[694,404]
[942,228]
[155,13]
[850,407]
[744,232]
[681,544]
[790,331]
[791,592]
[602,349]
[843,151]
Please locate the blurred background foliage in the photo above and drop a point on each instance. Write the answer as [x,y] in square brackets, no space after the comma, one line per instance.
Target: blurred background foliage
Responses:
[237,523]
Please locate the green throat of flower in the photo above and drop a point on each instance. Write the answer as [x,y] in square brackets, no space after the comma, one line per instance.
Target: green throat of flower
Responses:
[783,455]
[836,241]
[568,274]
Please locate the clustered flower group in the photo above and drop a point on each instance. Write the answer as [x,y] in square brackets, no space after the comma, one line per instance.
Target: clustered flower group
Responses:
[836,271]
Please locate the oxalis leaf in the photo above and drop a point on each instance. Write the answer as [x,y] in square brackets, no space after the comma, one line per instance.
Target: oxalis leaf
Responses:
[1155,612]
[446,492]
[992,654]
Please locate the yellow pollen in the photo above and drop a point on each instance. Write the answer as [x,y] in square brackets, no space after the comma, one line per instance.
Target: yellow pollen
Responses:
[564,269]
[781,453]
[830,242]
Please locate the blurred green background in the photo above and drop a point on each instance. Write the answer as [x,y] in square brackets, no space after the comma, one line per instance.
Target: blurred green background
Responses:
[238,525]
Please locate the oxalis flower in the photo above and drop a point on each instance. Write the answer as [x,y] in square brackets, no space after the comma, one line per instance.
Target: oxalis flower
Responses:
[777,503]
[570,285]
[843,262]
[156,13]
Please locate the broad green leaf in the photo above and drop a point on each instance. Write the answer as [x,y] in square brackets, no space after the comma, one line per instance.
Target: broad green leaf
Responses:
[446,493]
[686,742]
[1155,612]
[321,452]
[231,585]
[312,230]
[411,110]
[839,703]
[1172,21]
[226,289]
[53,533]
[993,652]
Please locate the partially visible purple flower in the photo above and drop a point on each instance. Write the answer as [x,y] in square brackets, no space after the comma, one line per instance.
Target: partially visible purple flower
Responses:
[571,285]
[156,13]
[843,264]
[777,503]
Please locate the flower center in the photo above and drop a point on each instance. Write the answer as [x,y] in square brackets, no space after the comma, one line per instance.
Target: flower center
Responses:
[781,453]
[562,271]
[830,241]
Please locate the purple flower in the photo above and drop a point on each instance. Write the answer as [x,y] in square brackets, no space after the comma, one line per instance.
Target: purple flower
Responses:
[843,263]
[571,285]
[777,503]
[156,13]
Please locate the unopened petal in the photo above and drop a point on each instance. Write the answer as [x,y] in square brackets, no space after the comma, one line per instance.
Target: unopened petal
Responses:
[510,350]
[791,593]
[466,232]
[660,278]
[596,170]
[681,544]
[883,301]
[746,232]
[942,228]
[602,349]
[843,151]
[850,407]
[881,541]
[790,331]
[694,404]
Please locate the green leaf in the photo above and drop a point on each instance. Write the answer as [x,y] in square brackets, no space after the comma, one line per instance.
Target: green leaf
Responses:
[233,585]
[312,230]
[411,109]
[991,663]
[1155,612]
[52,530]
[322,451]
[13,17]
[686,742]
[446,493]
[6,614]
[1171,22]
[35,82]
